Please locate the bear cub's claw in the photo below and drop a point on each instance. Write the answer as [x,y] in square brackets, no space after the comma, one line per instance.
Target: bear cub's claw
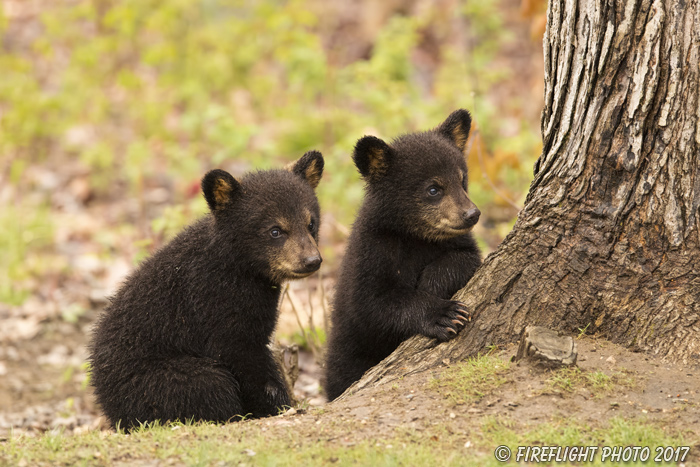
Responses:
[451,318]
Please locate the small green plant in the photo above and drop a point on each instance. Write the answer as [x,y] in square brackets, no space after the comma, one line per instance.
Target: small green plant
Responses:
[309,337]
[472,379]
[582,331]
[148,426]
[67,375]
[598,383]
[240,418]
[53,440]
[27,232]
[566,379]
[72,313]
[303,405]
[302,336]
[87,369]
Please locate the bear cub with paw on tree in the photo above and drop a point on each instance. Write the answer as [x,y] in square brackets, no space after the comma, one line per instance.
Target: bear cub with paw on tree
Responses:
[410,250]
[186,336]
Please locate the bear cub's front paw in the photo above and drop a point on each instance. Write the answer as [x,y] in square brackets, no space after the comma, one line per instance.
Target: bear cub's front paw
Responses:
[448,320]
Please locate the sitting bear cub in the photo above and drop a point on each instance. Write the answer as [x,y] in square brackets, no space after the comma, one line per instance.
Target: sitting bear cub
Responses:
[409,251]
[186,335]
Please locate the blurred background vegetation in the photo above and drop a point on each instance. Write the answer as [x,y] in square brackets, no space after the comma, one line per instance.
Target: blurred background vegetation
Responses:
[111,111]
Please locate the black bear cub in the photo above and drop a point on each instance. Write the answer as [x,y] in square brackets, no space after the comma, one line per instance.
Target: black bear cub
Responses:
[409,251]
[186,335]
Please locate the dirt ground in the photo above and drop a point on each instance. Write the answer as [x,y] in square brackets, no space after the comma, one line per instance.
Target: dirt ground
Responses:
[43,387]
[646,389]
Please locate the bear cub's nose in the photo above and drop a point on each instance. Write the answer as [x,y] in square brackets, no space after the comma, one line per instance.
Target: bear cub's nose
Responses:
[471,216]
[312,263]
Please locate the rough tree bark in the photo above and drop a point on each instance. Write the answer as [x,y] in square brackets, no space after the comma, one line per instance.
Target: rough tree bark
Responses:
[609,237]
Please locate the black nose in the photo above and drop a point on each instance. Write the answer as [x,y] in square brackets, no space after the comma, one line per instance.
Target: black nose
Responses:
[312,263]
[471,216]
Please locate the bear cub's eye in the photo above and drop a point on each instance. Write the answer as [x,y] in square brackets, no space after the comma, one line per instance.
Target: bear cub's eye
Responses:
[275,232]
[312,226]
[433,191]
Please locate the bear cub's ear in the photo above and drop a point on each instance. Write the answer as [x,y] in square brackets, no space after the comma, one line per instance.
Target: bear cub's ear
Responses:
[372,157]
[456,128]
[309,167]
[220,189]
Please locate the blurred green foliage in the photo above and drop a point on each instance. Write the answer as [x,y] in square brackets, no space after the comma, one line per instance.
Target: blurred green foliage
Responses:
[24,233]
[138,88]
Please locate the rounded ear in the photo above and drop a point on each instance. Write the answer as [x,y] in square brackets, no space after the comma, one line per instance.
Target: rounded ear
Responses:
[372,157]
[220,189]
[456,128]
[309,167]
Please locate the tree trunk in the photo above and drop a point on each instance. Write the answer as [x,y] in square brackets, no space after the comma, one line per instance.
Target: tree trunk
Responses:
[609,238]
